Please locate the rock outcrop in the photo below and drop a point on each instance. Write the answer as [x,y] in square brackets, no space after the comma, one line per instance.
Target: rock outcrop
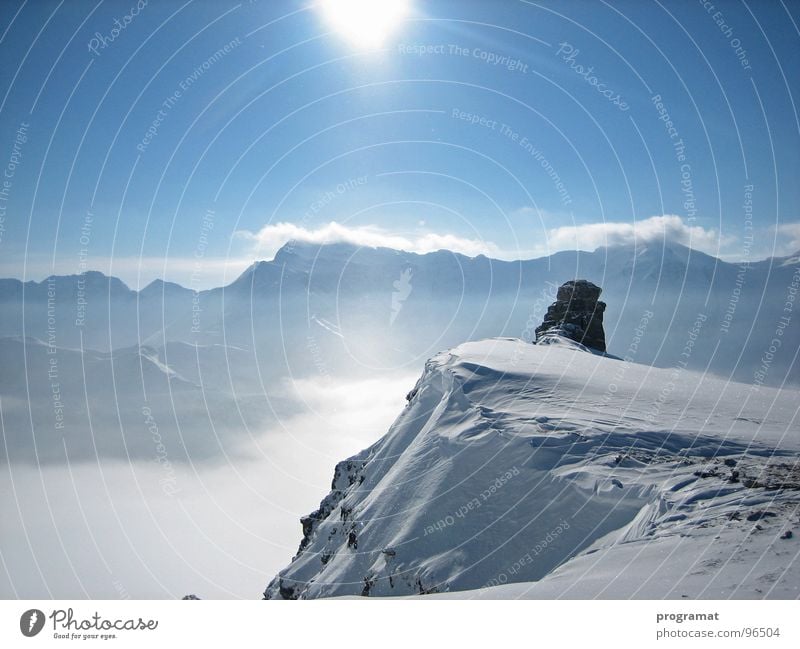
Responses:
[576,314]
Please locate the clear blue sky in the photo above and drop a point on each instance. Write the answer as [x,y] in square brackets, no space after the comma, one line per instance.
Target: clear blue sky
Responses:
[297,124]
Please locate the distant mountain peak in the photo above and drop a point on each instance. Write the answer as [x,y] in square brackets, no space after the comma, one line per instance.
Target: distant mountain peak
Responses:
[160,285]
[307,249]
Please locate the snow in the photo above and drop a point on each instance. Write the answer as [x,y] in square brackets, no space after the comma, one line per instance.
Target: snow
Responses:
[544,471]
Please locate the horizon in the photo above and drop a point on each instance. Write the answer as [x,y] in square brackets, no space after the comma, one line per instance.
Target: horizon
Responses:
[466,126]
[243,266]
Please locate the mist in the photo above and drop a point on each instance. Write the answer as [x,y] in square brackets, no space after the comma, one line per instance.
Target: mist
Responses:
[218,528]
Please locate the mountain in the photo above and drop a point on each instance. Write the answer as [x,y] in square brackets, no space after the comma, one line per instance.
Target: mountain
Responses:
[219,360]
[521,470]
[353,310]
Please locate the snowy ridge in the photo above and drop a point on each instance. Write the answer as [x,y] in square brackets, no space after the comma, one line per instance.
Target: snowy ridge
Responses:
[545,471]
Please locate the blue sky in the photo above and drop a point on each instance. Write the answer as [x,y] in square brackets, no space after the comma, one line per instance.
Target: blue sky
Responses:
[474,125]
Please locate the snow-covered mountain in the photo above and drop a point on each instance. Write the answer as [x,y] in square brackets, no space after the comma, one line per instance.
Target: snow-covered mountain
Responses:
[564,473]
[365,310]
[217,359]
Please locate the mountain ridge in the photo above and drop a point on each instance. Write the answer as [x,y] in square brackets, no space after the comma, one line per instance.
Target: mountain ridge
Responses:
[515,464]
[285,255]
[383,308]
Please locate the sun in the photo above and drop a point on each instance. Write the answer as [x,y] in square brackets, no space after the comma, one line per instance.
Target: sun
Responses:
[365,23]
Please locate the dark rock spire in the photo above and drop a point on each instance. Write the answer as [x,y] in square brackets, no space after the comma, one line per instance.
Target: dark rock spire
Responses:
[576,314]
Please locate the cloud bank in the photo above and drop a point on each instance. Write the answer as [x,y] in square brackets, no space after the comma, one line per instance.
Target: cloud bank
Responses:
[770,241]
[589,236]
[270,238]
[667,227]
[788,236]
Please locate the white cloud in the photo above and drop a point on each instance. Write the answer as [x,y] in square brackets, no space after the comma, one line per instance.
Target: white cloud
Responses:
[668,227]
[208,272]
[270,238]
[788,241]
[588,236]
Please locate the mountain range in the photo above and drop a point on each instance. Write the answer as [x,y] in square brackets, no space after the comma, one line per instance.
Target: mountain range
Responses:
[344,310]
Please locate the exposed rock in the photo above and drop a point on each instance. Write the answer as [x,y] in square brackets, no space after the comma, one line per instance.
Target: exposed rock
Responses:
[286,591]
[369,582]
[576,314]
[345,475]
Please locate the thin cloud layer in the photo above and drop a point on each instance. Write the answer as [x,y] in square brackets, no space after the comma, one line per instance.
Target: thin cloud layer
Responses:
[788,238]
[268,240]
[759,243]
[668,227]
[208,272]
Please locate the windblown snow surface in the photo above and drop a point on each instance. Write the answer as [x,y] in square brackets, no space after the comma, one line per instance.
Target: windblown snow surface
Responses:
[550,471]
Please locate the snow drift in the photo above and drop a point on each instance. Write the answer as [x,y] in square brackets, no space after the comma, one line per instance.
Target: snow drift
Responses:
[552,471]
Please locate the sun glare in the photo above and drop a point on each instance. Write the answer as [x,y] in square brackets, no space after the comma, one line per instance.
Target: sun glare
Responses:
[365,23]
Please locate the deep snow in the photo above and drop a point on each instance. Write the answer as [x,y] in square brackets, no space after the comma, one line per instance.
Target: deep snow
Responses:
[565,474]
